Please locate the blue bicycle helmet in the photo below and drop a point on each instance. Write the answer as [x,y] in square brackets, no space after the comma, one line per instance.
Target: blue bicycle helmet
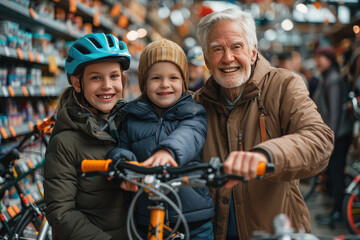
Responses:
[96,47]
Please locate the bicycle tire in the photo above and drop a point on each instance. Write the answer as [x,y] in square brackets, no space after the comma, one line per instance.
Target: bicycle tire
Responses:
[27,227]
[351,212]
[307,186]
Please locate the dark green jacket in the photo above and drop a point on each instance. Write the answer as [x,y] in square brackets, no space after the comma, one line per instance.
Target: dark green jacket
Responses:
[78,207]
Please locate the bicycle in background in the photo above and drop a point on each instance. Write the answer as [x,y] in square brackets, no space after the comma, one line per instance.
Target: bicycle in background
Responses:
[158,182]
[351,202]
[309,185]
[28,221]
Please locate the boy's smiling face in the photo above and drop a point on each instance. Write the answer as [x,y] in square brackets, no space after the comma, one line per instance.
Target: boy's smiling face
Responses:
[164,84]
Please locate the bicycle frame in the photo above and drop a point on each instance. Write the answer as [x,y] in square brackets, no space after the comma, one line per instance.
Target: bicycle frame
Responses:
[157,228]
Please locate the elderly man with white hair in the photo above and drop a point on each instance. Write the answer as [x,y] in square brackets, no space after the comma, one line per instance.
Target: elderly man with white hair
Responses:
[257,113]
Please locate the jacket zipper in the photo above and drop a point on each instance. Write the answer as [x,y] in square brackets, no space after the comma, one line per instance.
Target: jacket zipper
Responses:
[240,138]
[157,136]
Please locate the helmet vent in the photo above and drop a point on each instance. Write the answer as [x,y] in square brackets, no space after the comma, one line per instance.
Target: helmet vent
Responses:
[110,41]
[95,42]
[69,59]
[121,46]
[82,49]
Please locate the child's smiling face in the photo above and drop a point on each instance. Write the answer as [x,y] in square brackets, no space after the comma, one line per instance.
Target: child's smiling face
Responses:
[102,85]
[164,84]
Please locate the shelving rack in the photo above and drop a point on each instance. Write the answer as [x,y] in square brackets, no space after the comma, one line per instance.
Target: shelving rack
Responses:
[30,56]
[28,18]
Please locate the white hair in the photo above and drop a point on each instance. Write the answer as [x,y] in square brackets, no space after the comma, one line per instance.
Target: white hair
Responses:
[245,20]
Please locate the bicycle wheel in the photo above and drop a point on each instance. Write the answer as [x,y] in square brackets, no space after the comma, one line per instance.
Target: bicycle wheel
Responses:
[351,212]
[29,225]
[307,186]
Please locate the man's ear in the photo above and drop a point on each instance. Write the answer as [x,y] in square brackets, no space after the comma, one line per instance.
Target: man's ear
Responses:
[206,64]
[75,82]
[253,54]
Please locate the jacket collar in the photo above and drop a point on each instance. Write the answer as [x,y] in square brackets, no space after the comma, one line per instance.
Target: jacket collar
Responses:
[73,116]
[143,109]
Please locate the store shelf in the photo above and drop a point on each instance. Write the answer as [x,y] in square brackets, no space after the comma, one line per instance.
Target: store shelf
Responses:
[23,168]
[18,13]
[30,56]
[134,18]
[104,22]
[31,91]
[11,132]
[21,130]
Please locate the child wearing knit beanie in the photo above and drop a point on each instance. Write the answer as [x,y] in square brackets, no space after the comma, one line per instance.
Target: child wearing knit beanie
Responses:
[162,50]
[165,126]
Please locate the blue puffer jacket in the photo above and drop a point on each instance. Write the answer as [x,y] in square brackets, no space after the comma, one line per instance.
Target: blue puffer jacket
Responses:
[181,130]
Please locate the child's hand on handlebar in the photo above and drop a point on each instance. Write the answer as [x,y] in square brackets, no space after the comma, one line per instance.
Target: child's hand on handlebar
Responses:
[161,158]
[129,186]
[244,164]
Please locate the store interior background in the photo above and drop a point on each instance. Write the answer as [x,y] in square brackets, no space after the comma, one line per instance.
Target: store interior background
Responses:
[35,36]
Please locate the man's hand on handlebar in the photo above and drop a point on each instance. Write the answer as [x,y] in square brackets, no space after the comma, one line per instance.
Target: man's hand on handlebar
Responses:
[160,158]
[244,164]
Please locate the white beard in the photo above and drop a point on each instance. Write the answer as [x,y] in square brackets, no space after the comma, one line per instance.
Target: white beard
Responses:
[233,84]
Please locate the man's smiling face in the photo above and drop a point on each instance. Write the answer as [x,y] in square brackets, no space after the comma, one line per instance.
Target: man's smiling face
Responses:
[229,56]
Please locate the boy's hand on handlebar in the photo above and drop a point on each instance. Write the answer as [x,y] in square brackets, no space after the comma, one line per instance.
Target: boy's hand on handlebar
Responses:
[129,186]
[243,164]
[161,158]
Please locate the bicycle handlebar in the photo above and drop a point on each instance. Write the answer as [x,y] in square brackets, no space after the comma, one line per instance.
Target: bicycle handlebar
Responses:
[46,124]
[160,180]
[213,171]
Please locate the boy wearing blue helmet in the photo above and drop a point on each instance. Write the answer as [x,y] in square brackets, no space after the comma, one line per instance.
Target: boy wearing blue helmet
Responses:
[88,113]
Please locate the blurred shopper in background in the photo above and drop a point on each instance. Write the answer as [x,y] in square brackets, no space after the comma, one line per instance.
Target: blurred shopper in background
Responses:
[197,70]
[311,75]
[286,60]
[256,113]
[329,96]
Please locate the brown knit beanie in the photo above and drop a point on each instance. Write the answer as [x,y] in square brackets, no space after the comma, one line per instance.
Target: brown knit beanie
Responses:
[162,50]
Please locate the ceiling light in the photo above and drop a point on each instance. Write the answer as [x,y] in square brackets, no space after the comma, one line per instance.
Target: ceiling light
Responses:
[141,32]
[177,18]
[356,29]
[287,25]
[163,12]
[302,8]
[132,35]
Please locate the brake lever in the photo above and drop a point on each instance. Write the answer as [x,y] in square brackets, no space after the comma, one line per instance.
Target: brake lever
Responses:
[221,180]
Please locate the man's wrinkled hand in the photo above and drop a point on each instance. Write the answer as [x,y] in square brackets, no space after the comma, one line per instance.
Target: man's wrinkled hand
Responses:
[244,164]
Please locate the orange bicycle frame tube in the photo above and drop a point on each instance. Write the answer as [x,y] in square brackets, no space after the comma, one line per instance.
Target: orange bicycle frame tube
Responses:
[156,226]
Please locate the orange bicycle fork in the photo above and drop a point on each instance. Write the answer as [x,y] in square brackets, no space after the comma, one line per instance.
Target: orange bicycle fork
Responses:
[156,226]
